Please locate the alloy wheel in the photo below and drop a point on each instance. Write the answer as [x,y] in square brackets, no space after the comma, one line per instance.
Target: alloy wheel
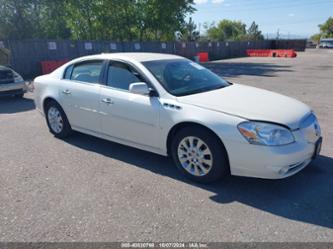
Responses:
[195,156]
[55,119]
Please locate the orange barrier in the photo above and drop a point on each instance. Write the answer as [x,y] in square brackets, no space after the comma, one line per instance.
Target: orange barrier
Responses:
[287,53]
[50,66]
[203,57]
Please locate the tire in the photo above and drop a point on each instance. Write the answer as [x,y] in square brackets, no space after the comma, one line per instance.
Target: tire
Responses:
[20,96]
[200,167]
[59,126]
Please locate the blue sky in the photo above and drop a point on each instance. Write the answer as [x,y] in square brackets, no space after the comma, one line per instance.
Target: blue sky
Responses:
[296,18]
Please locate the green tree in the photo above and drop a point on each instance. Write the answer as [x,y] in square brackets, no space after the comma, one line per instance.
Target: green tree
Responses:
[25,19]
[227,30]
[82,18]
[123,20]
[117,19]
[18,18]
[316,38]
[189,32]
[162,19]
[253,33]
[52,20]
[326,29]
[127,20]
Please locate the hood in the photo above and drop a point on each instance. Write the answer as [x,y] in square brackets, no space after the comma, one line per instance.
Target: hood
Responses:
[251,103]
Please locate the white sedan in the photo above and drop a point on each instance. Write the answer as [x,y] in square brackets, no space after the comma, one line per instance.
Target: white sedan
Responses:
[169,105]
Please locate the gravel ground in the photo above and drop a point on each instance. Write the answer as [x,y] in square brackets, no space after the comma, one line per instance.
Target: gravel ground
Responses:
[88,189]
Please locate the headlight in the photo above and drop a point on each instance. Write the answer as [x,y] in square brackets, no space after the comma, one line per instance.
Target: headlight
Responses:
[262,133]
[17,78]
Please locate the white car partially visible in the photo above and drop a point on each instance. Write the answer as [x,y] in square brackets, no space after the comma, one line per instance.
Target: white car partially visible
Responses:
[169,105]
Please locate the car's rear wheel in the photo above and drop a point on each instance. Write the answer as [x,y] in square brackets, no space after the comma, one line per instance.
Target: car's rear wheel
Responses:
[56,120]
[199,155]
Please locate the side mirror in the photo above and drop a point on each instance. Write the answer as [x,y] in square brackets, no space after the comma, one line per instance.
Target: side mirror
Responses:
[139,88]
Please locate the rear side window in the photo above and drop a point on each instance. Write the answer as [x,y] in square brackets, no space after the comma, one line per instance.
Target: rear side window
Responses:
[121,75]
[88,71]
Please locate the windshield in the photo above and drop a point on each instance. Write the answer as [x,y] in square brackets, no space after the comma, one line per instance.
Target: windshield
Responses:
[183,77]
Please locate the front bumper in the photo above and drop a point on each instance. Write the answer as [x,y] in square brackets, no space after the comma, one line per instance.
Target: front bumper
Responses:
[12,89]
[272,162]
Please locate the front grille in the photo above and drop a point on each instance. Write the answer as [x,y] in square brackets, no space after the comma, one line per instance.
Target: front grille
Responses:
[6,76]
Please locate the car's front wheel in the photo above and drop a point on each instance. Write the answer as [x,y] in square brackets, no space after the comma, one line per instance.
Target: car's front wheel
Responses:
[199,155]
[56,120]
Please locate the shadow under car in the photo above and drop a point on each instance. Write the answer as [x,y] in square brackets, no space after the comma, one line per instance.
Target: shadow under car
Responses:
[306,196]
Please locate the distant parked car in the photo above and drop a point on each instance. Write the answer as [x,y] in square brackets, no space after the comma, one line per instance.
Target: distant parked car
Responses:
[326,43]
[170,105]
[11,83]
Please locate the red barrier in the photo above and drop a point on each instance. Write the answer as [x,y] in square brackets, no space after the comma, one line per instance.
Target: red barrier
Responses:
[288,53]
[203,57]
[258,52]
[50,66]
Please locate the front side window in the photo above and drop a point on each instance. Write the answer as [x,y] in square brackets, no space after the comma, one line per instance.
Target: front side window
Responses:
[87,71]
[121,75]
[182,77]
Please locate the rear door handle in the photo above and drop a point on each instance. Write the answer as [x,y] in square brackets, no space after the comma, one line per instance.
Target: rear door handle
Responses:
[107,101]
[67,92]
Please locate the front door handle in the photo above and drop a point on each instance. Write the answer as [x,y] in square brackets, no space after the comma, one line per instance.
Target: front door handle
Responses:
[67,92]
[107,101]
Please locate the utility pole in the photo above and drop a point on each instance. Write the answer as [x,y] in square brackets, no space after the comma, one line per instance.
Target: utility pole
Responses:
[278,34]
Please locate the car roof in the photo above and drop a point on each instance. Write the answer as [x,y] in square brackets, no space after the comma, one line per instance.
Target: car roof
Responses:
[141,57]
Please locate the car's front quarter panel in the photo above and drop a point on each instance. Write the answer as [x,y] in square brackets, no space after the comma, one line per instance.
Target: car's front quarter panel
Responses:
[245,159]
[223,125]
